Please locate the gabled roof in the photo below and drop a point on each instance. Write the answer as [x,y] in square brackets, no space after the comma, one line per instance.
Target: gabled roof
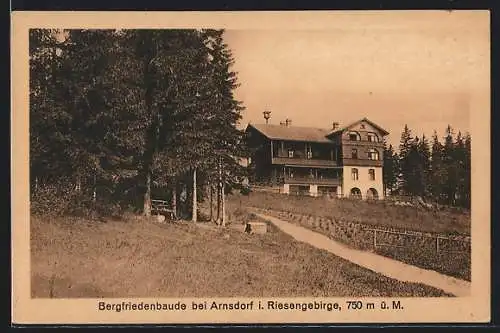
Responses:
[292,133]
[383,131]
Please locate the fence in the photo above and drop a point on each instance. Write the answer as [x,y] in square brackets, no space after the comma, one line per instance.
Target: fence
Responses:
[438,240]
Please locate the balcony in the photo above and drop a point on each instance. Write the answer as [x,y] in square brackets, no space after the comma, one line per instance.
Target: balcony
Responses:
[364,143]
[310,162]
[362,162]
[303,180]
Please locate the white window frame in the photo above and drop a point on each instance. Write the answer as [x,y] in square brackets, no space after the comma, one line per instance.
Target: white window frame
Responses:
[354,174]
[373,137]
[371,174]
[358,137]
[373,154]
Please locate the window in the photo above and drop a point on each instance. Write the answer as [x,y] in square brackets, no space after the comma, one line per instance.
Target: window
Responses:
[354,153]
[355,193]
[372,137]
[309,154]
[371,174]
[373,155]
[290,154]
[362,126]
[354,136]
[354,174]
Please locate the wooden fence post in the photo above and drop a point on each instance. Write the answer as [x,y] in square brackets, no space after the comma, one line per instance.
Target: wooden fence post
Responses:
[374,239]
[437,244]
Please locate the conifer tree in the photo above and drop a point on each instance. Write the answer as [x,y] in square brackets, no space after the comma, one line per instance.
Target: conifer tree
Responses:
[450,182]
[405,162]
[425,165]
[467,172]
[390,168]
[437,172]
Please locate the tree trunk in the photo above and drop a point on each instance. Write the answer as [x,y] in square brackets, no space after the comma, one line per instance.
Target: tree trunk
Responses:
[78,185]
[218,203]
[223,203]
[223,206]
[94,194]
[147,195]
[219,186]
[211,202]
[195,200]
[174,200]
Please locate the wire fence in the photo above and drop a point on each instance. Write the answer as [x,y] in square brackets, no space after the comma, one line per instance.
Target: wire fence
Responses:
[440,243]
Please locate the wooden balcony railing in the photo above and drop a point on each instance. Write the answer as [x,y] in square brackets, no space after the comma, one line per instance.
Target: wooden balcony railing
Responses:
[304,162]
[362,162]
[299,180]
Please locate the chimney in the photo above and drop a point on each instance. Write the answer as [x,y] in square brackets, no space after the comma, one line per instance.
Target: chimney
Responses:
[267,115]
[288,122]
[335,126]
[282,123]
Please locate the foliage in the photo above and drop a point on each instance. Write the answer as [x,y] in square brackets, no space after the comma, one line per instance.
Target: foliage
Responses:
[156,103]
[440,171]
[391,167]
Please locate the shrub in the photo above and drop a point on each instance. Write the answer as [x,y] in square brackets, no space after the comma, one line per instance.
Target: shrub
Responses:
[245,190]
[61,199]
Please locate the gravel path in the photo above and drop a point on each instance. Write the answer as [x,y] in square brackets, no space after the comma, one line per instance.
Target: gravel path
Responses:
[374,262]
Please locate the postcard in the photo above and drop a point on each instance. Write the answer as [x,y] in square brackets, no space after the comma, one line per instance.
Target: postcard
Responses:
[250,167]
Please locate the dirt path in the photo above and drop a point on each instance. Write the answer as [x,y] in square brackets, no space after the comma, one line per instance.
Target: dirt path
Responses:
[374,262]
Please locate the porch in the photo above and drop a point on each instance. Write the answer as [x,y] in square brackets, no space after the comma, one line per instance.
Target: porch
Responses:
[307,176]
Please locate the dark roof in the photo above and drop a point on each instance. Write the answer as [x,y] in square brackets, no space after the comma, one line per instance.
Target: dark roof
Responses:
[292,133]
[384,132]
[309,134]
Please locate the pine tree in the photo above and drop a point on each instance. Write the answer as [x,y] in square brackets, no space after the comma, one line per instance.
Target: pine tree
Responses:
[46,112]
[390,168]
[460,157]
[425,165]
[450,182]
[437,172]
[405,163]
[467,172]
[414,171]
[159,102]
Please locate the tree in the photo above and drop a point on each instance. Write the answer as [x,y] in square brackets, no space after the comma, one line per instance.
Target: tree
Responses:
[414,172]
[450,181]
[467,172]
[424,165]
[462,166]
[437,170]
[159,102]
[46,112]
[390,175]
[405,161]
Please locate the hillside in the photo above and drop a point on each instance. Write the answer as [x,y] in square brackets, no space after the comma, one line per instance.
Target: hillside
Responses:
[134,258]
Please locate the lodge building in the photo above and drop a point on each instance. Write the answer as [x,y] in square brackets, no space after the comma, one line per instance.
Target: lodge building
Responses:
[339,162]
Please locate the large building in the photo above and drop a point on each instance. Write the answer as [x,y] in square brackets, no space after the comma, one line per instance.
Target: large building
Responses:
[338,162]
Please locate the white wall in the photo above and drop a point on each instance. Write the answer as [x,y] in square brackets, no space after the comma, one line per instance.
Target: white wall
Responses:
[363,182]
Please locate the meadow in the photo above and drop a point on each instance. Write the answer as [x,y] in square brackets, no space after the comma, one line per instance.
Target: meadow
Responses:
[136,257]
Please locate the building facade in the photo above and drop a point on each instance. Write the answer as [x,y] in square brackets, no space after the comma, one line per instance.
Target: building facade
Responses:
[341,162]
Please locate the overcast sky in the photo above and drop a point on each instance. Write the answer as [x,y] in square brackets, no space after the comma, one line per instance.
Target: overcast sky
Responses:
[424,69]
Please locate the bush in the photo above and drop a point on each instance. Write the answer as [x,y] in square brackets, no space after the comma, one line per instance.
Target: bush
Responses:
[61,199]
[245,190]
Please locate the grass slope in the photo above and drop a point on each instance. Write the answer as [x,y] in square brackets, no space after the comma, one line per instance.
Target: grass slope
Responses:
[134,258]
[371,213]
[341,220]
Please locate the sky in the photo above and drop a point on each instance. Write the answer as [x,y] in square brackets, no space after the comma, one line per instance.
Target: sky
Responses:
[426,70]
